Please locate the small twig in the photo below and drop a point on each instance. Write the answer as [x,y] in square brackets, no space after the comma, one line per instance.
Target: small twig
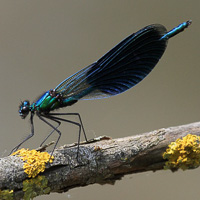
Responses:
[44,147]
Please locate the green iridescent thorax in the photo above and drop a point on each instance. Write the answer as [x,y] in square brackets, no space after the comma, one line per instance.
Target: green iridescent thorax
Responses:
[50,101]
[47,102]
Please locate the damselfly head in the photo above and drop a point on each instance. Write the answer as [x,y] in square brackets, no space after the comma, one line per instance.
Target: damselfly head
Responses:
[24,109]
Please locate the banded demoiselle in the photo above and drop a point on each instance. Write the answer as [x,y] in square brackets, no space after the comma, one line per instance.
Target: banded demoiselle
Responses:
[121,68]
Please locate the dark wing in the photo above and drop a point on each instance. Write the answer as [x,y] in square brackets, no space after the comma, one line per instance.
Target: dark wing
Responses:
[121,68]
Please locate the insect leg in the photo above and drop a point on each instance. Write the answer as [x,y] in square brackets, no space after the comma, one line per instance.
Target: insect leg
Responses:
[28,137]
[52,117]
[76,114]
[59,133]
[51,131]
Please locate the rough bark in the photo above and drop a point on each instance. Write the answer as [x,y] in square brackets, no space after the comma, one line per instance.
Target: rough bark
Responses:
[102,160]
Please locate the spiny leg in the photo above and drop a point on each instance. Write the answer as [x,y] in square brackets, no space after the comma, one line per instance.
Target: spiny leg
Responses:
[54,119]
[77,114]
[59,133]
[51,131]
[65,120]
[28,137]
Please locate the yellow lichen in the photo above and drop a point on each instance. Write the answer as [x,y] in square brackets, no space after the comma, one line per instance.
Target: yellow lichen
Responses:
[6,194]
[34,161]
[183,153]
[35,187]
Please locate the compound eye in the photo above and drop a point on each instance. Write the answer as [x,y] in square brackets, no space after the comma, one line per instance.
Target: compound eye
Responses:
[24,109]
[26,103]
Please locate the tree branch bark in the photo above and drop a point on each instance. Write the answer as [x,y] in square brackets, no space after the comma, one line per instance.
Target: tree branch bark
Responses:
[102,160]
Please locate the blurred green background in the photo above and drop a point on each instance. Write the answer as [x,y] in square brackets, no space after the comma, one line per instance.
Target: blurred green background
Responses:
[42,42]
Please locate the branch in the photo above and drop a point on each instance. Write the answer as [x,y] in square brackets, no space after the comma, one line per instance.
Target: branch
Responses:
[102,160]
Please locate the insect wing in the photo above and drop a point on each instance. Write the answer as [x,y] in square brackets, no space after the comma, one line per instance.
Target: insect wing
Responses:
[121,68]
